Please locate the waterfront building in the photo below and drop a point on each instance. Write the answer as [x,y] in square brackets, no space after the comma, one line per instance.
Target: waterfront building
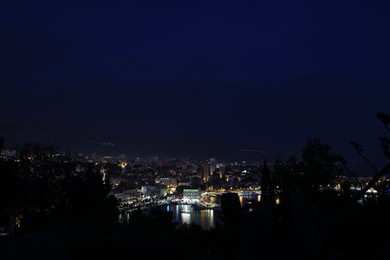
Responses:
[191,195]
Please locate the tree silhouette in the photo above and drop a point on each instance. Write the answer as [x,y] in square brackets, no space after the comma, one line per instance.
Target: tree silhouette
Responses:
[360,226]
[266,186]
[1,144]
[88,200]
[55,191]
[385,146]
[319,163]
[8,186]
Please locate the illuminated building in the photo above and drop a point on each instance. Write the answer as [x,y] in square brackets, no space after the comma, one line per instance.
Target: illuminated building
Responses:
[191,195]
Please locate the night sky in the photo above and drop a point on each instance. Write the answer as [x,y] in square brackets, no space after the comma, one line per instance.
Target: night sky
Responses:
[195,78]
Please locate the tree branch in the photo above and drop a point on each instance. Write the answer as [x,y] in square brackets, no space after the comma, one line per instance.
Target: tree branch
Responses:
[359,150]
[373,181]
[350,173]
[384,118]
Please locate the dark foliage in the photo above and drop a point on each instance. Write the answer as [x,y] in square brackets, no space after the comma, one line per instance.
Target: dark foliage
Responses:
[53,192]
[319,163]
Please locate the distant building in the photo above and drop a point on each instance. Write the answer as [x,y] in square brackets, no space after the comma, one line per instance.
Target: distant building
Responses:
[209,169]
[206,172]
[167,181]
[221,170]
[115,181]
[150,191]
[128,195]
[212,165]
[191,195]
[184,184]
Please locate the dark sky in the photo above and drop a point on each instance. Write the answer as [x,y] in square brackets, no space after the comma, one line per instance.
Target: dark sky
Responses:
[195,78]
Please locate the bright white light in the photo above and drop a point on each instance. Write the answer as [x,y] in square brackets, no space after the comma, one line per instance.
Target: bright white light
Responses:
[186,218]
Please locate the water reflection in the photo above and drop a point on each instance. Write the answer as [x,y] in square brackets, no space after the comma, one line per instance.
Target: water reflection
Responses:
[206,218]
[186,218]
[186,214]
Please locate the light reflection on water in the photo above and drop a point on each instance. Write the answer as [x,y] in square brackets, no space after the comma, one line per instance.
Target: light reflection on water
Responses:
[186,218]
[206,218]
[186,214]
